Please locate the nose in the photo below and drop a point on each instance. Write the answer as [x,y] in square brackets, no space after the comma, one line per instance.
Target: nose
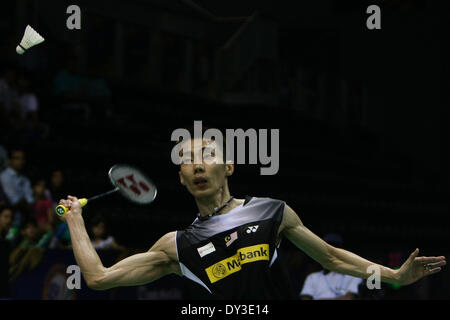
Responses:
[198,168]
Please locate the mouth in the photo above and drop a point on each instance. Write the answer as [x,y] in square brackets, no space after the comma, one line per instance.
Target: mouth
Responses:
[200,181]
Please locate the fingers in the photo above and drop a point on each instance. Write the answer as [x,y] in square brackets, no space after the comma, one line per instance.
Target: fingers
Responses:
[431,268]
[427,260]
[431,265]
[72,198]
[436,264]
[68,202]
[413,255]
[65,203]
[432,271]
[69,198]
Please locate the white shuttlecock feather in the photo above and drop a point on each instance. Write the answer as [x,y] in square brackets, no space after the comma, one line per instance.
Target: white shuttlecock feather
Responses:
[30,39]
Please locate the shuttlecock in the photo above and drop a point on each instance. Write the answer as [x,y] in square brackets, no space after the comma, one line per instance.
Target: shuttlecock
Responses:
[30,39]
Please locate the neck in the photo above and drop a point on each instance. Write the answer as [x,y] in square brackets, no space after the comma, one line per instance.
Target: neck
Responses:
[207,205]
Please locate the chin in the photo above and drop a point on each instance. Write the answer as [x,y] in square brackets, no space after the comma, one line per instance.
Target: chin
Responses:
[204,193]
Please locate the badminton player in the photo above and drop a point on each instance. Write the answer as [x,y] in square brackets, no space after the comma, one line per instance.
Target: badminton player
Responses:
[231,248]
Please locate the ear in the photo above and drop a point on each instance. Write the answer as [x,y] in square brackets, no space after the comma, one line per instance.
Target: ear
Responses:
[229,168]
[181,178]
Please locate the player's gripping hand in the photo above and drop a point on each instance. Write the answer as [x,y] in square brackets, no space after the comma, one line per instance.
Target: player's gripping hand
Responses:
[73,205]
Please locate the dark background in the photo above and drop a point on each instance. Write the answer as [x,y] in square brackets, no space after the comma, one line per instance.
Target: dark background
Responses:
[362,113]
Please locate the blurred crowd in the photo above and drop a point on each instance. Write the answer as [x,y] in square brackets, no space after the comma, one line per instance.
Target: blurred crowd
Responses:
[28,223]
[27,204]
[27,216]
[19,107]
[30,190]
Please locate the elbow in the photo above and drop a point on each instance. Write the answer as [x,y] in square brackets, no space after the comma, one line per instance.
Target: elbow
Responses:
[96,282]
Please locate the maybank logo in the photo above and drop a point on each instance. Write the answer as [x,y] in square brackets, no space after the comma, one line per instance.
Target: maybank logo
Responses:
[233,264]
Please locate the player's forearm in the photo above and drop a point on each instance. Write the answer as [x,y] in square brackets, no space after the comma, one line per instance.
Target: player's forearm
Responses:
[346,262]
[85,254]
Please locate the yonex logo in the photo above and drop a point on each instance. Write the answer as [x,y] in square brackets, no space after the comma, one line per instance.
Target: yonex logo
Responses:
[60,211]
[252,229]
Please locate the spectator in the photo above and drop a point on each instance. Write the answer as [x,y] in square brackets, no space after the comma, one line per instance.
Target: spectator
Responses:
[56,189]
[69,87]
[68,83]
[29,233]
[7,231]
[61,238]
[6,216]
[3,158]
[27,101]
[43,207]
[3,164]
[16,186]
[5,250]
[99,235]
[330,285]
[3,198]
[97,90]
[28,254]
[26,116]
[8,92]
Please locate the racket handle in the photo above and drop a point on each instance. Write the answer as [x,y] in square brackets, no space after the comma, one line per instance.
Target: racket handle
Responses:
[61,210]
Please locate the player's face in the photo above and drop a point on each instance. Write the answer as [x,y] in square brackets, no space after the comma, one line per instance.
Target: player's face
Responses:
[207,177]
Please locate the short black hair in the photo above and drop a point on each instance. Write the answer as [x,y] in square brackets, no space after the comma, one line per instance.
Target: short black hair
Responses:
[95,220]
[13,149]
[6,207]
[27,222]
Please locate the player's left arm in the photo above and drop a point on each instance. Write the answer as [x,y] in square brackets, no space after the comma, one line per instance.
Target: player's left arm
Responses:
[346,262]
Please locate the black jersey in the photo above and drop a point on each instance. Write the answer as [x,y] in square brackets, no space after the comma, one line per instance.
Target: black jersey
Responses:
[234,255]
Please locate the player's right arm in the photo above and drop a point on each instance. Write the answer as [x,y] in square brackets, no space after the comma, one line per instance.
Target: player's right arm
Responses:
[137,269]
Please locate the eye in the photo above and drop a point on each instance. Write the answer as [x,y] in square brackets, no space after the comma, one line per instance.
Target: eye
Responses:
[209,153]
[186,159]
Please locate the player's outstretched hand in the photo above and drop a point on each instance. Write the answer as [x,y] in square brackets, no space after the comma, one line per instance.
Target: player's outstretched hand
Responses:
[416,267]
[73,205]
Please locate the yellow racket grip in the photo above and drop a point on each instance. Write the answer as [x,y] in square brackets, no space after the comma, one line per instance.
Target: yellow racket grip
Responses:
[61,210]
